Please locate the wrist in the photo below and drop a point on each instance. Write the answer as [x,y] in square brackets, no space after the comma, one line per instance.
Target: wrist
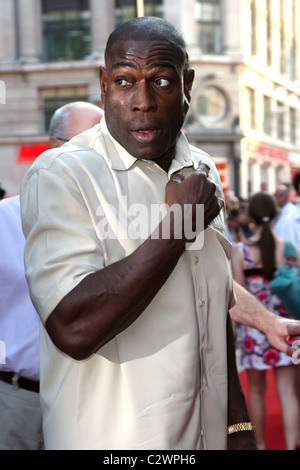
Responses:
[240,427]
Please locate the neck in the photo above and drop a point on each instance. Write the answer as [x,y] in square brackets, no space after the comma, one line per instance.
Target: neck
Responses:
[165,160]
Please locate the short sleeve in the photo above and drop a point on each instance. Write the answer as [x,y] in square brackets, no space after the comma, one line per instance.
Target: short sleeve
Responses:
[62,246]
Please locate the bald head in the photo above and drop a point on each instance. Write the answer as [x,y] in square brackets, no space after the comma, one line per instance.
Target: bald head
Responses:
[72,119]
[149,28]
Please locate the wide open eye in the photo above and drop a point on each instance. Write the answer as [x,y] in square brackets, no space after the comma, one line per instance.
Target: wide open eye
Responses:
[122,82]
[162,82]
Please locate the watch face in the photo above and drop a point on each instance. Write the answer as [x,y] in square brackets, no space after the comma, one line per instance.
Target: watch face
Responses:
[211,105]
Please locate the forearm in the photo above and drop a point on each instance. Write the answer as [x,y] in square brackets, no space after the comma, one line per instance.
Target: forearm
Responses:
[108,301]
[237,409]
[249,310]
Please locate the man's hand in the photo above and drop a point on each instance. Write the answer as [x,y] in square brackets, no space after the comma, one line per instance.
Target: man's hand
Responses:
[282,332]
[195,189]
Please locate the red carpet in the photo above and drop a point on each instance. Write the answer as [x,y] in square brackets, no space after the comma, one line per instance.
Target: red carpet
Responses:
[274,429]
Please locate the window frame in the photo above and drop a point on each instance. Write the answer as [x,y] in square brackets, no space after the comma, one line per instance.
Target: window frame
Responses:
[58,96]
[151,8]
[210,28]
[65,28]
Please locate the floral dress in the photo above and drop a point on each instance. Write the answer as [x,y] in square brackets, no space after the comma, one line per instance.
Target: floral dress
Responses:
[256,351]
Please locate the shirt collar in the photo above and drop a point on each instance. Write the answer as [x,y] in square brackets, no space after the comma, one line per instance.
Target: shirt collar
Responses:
[122,160]
[119,157]
[183,158]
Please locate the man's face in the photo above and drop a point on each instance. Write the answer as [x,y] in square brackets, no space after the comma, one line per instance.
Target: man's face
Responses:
[146,97]
[282,196]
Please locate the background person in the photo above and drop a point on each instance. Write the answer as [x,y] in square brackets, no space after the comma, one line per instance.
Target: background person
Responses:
[286,207]
[72,119]
[254,264]
[20,411]
[292,221]
[292,233]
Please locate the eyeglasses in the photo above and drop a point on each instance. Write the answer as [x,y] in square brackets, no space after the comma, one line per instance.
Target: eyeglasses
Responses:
[63,140]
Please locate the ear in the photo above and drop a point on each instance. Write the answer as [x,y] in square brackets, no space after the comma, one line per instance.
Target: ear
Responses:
[54,142]
[188,83]
[103,83]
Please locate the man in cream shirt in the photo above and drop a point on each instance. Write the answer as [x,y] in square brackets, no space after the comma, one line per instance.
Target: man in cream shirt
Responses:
[134,336]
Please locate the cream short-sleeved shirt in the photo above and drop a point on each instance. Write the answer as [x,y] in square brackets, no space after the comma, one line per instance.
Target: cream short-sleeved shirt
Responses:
[161,383]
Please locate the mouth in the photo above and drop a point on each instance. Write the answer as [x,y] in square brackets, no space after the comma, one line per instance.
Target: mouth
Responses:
[145,134]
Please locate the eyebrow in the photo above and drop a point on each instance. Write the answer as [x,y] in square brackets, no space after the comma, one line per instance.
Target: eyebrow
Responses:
[123,64]
[133,66]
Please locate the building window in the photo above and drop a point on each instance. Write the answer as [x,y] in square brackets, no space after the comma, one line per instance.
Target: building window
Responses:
[250,178]
[282,38]
[269,32]
[212,105]
[66,29]
[293,126]
[280,120]
[251,107]
[208,16]
[127,9]
[264,178]
[293,46]
[53,98]
[267,124]
[278,174]
[253,13]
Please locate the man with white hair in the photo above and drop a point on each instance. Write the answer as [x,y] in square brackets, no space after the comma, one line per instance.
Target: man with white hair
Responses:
[282,196]
[72,119]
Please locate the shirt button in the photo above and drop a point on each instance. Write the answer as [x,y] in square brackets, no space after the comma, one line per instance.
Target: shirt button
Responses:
[197,259]
[202,303]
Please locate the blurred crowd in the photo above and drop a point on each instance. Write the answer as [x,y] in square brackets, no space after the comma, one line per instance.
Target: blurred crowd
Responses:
[258,229]
[239,222]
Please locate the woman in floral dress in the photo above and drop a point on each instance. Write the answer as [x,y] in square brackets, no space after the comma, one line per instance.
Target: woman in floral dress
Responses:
[254,264]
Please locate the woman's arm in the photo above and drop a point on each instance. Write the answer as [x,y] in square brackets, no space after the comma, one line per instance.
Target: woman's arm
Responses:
[249,311]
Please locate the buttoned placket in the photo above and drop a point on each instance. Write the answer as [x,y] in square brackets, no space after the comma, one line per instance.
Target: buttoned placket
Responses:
[200,305]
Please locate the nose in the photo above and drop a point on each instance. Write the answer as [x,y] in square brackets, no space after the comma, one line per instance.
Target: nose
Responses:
[143,97]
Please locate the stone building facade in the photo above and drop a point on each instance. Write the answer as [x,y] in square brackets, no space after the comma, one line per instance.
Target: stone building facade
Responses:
[245,104]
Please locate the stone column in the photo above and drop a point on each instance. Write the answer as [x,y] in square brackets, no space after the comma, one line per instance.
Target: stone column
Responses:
[29,24]
[102,24]
[271,175]
[181,13]
[231,28]
[256,177]
[244,177]
[7,31]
